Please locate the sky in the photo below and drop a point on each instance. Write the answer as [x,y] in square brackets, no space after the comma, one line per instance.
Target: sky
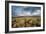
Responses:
[26,11]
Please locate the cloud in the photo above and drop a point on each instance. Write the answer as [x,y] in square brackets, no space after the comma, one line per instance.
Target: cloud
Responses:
[36,13]
[28,13]
[24,13]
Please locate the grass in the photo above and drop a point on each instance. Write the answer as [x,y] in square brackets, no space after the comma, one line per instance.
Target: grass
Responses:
[36,21]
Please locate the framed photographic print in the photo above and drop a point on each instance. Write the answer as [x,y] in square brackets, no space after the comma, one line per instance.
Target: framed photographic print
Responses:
[24,16]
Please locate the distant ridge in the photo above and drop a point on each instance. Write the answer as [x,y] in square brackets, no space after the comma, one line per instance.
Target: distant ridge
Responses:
[26,16]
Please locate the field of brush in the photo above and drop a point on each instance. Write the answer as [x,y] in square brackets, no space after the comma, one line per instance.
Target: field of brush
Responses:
[36,20]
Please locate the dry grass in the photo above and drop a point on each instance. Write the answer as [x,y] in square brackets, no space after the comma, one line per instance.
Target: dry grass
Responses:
[24,21]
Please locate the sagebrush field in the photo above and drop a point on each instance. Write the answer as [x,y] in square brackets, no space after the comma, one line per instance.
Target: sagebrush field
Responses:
[31,21]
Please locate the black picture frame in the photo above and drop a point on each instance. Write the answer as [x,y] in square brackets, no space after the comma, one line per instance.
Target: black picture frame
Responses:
[7,16]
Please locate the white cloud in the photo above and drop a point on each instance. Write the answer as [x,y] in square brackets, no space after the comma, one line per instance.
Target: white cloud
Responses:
[24,14]
[27,13]
[36,12]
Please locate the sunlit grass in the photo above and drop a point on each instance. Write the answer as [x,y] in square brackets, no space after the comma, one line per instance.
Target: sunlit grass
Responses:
[35,20]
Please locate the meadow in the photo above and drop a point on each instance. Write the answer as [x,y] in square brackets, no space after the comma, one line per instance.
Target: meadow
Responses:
[27,21]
